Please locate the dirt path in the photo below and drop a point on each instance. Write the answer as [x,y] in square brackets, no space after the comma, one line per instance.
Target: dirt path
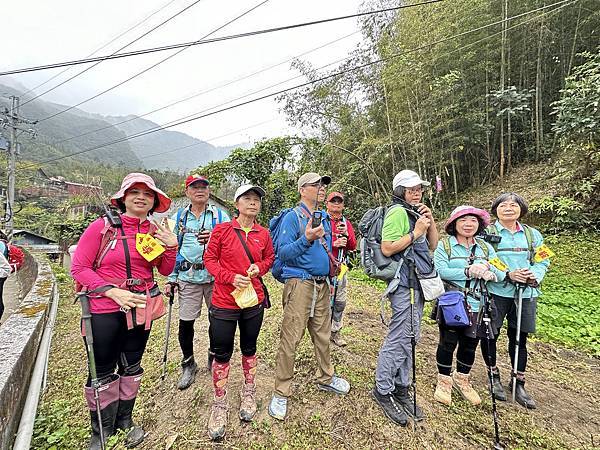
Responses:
[562,381]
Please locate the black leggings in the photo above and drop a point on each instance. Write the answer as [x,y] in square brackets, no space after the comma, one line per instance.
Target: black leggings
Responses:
[117,347]
[186,337]
[2,280]
[465,356]
[222,334]
[490,358]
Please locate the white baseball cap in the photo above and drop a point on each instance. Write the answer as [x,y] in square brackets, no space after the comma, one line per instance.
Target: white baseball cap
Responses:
[248,187]
[408,179]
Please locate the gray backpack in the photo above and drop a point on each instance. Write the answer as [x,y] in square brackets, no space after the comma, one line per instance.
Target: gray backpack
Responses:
[374,262]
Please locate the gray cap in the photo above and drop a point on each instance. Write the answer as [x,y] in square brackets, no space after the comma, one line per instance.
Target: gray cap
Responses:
[313,177]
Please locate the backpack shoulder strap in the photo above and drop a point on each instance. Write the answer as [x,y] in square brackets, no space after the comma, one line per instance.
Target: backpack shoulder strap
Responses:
[484,247]
[446,244]
[108,234]
[492,229]
[529,237]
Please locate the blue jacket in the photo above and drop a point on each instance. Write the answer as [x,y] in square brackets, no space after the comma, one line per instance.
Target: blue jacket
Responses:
[302,259]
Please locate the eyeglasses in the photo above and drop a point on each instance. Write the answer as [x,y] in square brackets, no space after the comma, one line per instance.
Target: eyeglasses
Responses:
[317,184]
[415,190]
[336,200]
[198,186]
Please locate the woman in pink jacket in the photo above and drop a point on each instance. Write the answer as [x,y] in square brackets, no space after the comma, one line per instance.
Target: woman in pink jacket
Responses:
[123,300]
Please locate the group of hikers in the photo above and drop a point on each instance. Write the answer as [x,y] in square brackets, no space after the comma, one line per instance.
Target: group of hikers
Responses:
[212,259]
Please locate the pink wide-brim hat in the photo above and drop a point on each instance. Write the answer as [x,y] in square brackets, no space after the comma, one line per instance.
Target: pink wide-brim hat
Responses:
[467,210]
[164,202]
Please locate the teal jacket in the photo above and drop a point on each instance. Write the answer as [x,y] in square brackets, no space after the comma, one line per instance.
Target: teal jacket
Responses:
[452,269]
[514,251]
[191,250]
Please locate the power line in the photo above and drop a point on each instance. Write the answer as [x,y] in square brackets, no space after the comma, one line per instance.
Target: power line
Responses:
[193,117]
[118,50]
[173,150]
[471,44]
[153,65]
[206,91]
[208,41]
[103,46]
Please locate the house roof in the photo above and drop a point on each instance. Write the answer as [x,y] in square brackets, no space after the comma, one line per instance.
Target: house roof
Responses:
[31,233]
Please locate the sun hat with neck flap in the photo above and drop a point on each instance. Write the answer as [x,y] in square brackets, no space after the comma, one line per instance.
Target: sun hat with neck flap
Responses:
[164,202]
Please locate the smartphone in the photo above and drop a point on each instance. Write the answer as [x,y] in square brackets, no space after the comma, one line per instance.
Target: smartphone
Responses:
[317,216]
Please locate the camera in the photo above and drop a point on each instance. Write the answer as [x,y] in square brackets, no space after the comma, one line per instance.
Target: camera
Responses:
[490,238]
[317,217]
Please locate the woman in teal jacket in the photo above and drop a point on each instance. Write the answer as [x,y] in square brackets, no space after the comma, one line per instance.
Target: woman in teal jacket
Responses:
[461,259]
[517,248]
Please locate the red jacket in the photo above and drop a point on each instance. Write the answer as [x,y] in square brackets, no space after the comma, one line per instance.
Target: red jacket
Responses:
[351,245]
[225,257]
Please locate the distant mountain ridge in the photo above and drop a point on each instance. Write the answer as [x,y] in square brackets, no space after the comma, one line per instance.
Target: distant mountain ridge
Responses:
[62,135]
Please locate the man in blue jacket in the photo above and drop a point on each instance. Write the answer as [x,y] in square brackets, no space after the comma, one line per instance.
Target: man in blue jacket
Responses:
[304,253]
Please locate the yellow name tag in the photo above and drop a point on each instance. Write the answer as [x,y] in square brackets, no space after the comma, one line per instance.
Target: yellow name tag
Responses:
[498,264]
[147,246]
[542,253]
[343,270]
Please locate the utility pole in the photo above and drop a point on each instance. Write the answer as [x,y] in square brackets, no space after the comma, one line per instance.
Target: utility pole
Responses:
[13,120]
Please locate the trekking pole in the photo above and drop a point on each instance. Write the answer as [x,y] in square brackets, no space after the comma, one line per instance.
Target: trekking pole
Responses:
[174,285]
[413,337]
[86,318]
[487,320]
[519,295]
[336,283]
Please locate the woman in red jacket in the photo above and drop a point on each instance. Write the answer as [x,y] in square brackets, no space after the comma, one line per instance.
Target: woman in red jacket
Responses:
[122,297]
[228,261]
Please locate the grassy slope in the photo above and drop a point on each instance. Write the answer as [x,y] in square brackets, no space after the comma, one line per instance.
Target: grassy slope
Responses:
[568,416]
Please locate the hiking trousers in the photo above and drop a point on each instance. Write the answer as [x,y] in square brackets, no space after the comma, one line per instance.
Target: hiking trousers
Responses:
[394,363]
[297,301]
[339,305]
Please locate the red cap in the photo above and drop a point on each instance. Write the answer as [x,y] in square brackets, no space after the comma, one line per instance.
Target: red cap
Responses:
[193,178]
[333,195]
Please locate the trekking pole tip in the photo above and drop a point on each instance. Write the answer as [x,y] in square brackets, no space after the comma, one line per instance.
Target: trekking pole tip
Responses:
[498,446]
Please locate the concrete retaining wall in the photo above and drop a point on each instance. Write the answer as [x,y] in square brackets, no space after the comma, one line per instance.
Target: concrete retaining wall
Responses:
[19,340]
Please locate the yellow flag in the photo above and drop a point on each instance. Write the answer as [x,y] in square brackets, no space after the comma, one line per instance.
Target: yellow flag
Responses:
[147,246]
[498,264]
[542,253]
[343,270]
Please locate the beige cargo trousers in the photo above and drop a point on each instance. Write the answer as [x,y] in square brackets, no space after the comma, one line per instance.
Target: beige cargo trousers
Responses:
[299,313]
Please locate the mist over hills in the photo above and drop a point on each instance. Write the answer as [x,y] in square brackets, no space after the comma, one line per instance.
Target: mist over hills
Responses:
[77,130]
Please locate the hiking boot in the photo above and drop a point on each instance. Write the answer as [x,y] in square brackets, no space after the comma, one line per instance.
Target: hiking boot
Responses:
[218,418]
[108,394]
[462,384]
[337,385]
[443,389]
[497,386]
[248,403]
[278,407]
[391,408]
[522,397]
[337,339]
[406,400]
[128,390]
[188,374]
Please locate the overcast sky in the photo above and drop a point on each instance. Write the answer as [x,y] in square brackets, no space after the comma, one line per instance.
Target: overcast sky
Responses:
[52,31]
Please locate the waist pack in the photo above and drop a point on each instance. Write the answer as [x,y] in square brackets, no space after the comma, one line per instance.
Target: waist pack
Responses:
[155,309]
[455,309]
[431,284]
